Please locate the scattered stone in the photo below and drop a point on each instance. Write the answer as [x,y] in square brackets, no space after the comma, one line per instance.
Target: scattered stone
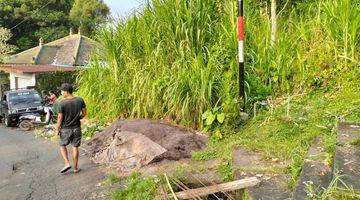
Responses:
[244,117]
[275,185]
[320,149]
[314,171]
[271,188]
[45,132]
[259,175]
[347,156]
[246,159]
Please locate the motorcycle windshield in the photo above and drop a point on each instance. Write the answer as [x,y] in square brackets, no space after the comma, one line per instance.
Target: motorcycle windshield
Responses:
[22,100]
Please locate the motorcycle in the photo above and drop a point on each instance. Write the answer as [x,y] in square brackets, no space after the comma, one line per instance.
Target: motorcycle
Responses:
[29,120]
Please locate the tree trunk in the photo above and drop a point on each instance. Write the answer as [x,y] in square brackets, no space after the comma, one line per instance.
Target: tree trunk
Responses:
[273,23]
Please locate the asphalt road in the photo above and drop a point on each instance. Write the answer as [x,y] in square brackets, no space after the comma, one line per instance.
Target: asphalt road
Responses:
[29,169]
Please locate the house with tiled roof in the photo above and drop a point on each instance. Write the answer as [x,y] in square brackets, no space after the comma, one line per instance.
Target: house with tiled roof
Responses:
[62,55]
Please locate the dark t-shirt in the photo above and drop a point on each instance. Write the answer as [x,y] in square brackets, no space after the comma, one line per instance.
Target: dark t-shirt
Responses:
[71,110]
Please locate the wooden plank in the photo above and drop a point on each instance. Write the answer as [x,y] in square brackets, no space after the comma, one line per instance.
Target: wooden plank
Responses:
[224,187]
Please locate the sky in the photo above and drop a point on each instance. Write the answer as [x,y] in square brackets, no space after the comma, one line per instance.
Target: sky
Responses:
[122,8]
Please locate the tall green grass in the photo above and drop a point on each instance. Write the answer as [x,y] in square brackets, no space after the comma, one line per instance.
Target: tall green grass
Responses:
[176,59]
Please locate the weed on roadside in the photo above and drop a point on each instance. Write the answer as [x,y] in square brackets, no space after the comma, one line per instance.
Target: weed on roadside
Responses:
[333,191]
[112,179]
[225,170]
[138,188]
[356,142]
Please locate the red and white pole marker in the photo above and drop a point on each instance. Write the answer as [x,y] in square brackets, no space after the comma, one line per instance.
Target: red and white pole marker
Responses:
[241,32]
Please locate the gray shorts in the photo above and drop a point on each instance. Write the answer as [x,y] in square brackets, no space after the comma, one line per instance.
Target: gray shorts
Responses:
[70,135]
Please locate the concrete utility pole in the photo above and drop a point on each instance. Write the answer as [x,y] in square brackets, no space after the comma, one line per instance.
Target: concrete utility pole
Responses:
[241,51]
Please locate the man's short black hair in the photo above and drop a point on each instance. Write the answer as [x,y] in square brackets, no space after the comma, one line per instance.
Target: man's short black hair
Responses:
[67,87]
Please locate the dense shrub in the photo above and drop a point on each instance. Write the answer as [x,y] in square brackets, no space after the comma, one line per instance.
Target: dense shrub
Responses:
[178,59]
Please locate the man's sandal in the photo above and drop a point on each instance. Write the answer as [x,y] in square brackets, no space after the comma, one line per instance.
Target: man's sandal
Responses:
[65,169]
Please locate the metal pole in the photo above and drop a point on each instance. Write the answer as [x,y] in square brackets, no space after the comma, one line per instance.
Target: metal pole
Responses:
[241,51]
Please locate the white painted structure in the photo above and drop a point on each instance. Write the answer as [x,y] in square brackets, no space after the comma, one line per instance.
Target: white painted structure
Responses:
[19,81]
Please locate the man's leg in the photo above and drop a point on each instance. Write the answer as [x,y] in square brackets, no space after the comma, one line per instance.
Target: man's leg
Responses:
[75,157]
[76,142]
[64,141]
[64,154]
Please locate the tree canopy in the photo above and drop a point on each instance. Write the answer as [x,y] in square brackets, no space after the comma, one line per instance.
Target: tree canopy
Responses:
[28,20]
[89,14]
[5,48]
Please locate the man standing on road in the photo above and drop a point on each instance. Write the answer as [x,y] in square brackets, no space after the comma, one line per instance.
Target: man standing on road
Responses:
[71,110]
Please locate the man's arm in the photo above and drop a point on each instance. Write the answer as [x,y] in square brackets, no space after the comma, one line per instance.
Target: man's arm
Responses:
[83,113]
[58,124]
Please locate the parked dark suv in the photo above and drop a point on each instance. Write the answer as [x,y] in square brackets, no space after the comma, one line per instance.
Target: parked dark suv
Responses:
[19,102]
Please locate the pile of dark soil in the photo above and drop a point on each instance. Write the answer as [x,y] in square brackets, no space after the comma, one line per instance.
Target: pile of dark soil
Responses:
[129,144]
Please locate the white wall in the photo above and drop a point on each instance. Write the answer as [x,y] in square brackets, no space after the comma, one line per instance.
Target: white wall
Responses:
[24,80]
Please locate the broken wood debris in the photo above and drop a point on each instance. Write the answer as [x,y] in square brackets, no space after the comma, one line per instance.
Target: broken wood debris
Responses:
[224,187]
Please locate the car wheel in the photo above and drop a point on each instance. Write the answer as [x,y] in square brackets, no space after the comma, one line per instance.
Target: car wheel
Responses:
[25,125]
[7,121]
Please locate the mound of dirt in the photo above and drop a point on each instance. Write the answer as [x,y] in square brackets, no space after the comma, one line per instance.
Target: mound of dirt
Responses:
[129,144]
